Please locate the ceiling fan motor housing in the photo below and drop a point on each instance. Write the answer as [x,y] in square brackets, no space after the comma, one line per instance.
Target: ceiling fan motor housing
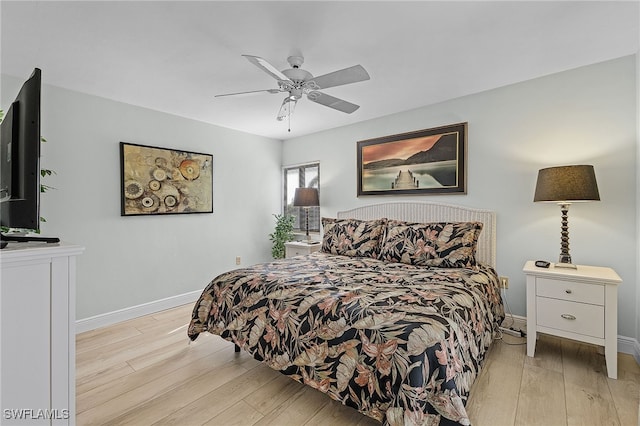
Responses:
[297,75]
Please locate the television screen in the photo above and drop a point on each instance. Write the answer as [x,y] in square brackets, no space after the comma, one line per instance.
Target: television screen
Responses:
[20,162]
[6,142]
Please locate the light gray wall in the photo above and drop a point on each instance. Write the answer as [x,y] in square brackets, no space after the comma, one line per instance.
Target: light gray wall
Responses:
[587,115]
[638,199]
[583,116]
[133,260]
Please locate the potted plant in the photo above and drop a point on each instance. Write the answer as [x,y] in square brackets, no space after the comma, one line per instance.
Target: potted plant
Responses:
[282,233]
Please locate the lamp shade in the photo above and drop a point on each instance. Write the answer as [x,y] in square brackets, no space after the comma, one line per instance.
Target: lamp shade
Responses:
[306,197]
[567,184]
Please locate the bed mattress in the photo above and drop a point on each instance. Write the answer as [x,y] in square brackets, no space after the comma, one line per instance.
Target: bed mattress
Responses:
[400,343]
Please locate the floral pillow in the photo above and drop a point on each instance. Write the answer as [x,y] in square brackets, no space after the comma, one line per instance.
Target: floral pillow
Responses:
[440,244]
[353,237]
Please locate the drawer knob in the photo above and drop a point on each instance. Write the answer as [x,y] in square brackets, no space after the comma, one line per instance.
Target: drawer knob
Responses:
[568,316]
[568,291]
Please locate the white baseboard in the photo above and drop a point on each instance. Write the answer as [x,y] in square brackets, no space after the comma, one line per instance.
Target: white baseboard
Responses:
[626,345]
[132,312]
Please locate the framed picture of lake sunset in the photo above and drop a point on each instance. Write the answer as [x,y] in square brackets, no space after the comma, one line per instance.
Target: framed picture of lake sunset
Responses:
[424,162]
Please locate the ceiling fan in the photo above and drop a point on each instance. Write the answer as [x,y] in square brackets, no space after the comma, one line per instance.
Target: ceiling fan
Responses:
[297,82]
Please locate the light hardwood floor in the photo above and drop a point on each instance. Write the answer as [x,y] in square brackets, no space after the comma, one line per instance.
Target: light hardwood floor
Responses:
[144,372]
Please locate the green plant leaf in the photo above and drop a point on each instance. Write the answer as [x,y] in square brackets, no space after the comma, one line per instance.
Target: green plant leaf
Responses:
[283,232]
[45,188]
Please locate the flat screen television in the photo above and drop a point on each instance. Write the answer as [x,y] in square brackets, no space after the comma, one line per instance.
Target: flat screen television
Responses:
[20,163]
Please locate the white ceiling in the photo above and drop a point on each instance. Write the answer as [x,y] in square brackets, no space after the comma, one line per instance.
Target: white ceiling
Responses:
[174,56]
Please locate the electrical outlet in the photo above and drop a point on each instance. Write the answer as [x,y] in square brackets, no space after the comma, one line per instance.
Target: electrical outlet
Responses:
[238,260]
[504,282]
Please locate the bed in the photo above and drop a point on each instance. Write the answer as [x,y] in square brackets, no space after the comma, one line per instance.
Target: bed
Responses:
[392,317]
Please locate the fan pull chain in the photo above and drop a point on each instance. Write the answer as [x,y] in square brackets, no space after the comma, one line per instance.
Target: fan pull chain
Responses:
[289,119]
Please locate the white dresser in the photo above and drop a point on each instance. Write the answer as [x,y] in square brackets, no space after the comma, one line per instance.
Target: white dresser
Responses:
[579,304]
[37,333]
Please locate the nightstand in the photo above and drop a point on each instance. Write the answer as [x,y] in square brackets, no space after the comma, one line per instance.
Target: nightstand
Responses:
[298,248]
[579,304]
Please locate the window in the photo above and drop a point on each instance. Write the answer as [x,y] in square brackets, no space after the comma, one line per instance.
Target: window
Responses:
[302,176]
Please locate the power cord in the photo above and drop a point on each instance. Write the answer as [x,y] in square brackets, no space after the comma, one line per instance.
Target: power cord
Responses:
[509,329]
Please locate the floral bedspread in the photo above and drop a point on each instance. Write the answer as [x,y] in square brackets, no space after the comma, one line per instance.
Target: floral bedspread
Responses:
[400,343]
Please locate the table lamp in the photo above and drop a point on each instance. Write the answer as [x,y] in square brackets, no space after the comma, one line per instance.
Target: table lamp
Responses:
[306,198]
[565,185]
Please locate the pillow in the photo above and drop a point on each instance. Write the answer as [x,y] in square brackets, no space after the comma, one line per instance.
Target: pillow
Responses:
[353,237]
[440,244]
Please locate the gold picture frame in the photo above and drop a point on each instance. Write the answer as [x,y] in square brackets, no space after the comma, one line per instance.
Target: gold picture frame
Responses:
[157,181]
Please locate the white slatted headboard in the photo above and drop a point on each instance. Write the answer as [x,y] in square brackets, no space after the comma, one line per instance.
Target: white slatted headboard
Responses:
[435,212]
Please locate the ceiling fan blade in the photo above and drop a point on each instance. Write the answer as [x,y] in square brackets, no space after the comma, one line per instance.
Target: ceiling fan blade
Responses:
[287,107]
[332,102]
[338,78]
[266,67]
[250,92]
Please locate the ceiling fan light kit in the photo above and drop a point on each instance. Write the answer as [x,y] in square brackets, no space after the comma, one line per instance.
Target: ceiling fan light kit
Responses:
[288,105]
[298,82]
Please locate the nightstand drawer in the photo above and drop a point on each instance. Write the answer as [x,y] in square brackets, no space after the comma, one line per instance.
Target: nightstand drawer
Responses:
[573,317]
[570,290]
[295,251]
[296,248]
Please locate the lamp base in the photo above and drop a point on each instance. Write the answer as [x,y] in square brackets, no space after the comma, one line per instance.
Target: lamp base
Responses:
[565,265]
[564,261]
[306,211]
